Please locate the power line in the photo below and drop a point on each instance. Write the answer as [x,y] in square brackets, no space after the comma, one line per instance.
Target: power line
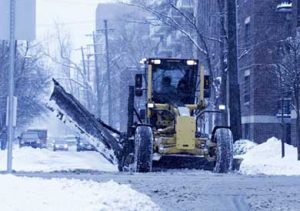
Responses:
[93,21]
[74,2]
[66,23]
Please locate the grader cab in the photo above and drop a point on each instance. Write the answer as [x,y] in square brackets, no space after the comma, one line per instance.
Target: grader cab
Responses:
[170,125]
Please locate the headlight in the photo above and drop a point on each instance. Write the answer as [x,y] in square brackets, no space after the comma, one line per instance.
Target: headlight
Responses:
[222,107]
[156,61]
[191,62]
[66,146]
[150,105]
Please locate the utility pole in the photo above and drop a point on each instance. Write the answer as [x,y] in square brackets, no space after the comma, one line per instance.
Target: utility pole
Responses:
[97,74]
[224,74]
[87,94]
[282,117]
[108,75]
[234,90]
[11,86]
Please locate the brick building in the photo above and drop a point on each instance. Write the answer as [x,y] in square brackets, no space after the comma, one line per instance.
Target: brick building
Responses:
[261,27]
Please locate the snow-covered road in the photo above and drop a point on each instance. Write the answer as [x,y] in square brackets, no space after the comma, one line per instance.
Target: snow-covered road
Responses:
[102,185]
[202,190]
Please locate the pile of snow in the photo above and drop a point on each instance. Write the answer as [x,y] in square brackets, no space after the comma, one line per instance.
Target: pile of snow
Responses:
[266,159]
[29,159]
[242,146]
[21,193]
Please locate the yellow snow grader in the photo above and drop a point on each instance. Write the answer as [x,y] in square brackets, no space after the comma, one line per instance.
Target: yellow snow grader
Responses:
[168,120]
[172,125]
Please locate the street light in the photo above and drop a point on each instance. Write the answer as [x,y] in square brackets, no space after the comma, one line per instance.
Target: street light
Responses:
[284,7]
[11,101]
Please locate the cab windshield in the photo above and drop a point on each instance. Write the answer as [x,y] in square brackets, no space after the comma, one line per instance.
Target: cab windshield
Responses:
[174,83]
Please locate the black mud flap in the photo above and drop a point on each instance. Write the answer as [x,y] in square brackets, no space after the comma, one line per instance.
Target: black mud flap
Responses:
[183,162]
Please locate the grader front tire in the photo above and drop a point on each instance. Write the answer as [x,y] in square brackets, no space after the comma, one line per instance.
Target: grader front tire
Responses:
[224,150]
[143,149]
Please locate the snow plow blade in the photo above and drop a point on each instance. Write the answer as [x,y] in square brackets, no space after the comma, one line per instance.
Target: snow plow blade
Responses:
[72,111]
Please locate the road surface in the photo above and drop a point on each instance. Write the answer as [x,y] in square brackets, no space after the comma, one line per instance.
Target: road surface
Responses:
[201,190]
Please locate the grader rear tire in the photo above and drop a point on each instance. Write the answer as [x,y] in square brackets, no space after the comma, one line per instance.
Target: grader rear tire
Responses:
[143,149]
[224,150]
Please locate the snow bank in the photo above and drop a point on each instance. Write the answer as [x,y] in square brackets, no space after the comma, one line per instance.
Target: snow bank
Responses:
[29,159]
[21,193]
[242,146]
[266,159]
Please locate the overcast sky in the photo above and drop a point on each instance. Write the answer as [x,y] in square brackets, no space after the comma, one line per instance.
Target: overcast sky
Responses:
[78,17]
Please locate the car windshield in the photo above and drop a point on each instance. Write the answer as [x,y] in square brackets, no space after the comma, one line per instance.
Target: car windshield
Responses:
[174,84]
[60,142]
[30,136]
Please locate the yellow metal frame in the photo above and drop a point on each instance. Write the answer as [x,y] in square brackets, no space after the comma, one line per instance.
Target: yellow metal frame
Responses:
[184,140]
[185,132]
[149,89]
[201,99]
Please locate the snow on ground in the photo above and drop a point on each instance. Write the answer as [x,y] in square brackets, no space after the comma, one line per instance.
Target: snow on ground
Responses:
[21,193]
[242,146]
[29,159]
[266,159]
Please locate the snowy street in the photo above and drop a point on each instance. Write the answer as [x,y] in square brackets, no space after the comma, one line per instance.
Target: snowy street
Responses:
[86,181]
[158,105]
[200,190]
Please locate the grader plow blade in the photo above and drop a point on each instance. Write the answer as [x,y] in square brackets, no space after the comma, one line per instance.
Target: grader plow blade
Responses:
[71,111]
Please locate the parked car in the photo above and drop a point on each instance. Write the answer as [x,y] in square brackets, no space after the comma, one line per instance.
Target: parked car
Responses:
[36,138]
[72,141]
[60,145]
[83,145]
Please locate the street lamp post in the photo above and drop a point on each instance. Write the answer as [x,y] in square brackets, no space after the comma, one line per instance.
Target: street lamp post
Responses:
[108,75]
[11,86]
[284,7]
[282,118]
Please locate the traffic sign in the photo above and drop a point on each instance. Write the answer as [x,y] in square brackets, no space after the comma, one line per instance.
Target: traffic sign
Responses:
[25,20]
[15,105]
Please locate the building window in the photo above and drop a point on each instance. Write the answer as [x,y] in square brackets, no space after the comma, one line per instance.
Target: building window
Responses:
[247,32]
[284,106]
[247,87]
[247,131]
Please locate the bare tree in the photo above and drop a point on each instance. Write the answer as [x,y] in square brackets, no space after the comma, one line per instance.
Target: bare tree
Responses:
[79,81]
[31,80]
[186,24]
[128,44]
[289,73]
